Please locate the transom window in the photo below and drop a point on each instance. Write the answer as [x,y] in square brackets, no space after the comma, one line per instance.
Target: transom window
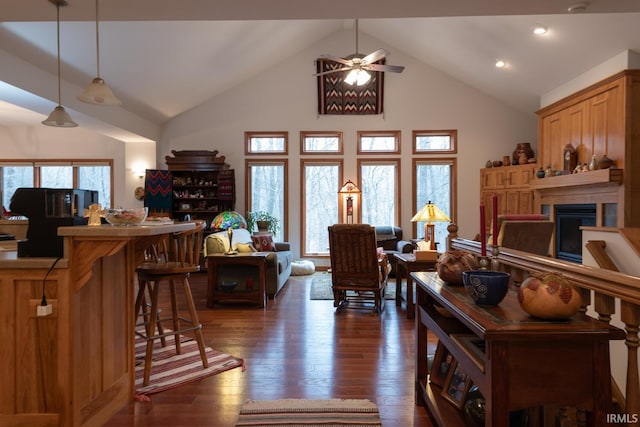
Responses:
[370,142]
[434,141]
[266,142]
[320,142]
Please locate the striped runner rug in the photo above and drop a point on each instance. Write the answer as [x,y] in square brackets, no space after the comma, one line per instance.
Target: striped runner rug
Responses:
[305,412]
[169,370]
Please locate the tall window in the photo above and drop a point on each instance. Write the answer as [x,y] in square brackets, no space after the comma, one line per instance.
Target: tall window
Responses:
[380,189]
[435,181]
[321,181]
[94,175]
[267,187]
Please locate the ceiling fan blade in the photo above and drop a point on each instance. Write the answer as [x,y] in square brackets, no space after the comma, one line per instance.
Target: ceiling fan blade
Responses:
[337,59]
[332,71]
[375,56]
[381,67]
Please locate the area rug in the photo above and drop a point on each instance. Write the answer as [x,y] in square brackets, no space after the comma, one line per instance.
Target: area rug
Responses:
[169,370]
[305,412]
[321,288]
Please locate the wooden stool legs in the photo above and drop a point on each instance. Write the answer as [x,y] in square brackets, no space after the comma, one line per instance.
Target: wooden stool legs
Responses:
[152,284]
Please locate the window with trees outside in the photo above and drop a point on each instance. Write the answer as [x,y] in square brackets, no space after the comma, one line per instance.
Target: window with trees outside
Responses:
[434,141]
[380,189]
[320,142]
[94,175]
[321,180]
[266,142]
[267,189]
[435,181]
[383,142]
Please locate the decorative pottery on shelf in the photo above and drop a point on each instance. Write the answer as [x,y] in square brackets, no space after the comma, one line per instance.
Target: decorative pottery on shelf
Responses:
[522,147]
[453,263]
[604,162]
[549,296]
[486,287]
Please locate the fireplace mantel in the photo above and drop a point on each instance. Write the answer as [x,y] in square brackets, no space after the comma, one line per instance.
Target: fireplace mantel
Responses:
[602,176]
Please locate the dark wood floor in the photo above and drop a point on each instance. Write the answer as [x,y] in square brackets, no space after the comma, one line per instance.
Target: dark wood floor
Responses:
[295,348]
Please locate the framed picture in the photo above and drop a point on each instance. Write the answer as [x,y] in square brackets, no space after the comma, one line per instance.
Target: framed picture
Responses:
[456,385]
[442,362]
[185,206]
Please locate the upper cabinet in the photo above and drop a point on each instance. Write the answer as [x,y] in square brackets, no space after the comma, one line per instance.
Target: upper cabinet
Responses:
[602,119]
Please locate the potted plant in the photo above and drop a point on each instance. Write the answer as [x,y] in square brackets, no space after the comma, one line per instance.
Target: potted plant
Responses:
[264,221]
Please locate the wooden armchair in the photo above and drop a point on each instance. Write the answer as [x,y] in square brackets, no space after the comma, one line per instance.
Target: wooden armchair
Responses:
[358,271]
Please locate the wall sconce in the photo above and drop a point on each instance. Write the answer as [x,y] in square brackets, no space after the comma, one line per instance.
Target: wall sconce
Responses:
[139,170]
[347,193]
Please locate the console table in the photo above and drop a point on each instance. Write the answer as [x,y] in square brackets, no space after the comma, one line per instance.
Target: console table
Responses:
[526,362]
[242,293]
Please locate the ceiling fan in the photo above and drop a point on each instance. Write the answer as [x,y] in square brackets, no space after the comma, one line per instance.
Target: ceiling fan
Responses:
[359,64]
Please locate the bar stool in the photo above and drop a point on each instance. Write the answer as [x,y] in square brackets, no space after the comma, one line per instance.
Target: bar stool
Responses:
[182,260]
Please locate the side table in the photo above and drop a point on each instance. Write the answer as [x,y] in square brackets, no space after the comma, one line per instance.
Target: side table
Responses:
[406,264]
[214,291]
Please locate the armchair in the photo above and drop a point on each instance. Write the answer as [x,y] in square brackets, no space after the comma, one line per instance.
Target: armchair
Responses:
[389,238]
[358,271]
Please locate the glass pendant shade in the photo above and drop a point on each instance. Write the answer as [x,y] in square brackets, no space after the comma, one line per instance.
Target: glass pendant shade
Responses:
[59,118]
[359,77]
[99,93]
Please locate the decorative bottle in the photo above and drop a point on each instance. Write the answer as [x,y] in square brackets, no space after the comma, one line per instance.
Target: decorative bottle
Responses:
[593,165]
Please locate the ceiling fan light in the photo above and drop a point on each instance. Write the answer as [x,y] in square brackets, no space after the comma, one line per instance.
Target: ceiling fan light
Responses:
[59,118]
[357,77]
[99,93]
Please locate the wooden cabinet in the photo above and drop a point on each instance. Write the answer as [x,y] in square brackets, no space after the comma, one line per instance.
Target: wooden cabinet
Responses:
[600,119]
[522,363]
[511,185]
[202,185]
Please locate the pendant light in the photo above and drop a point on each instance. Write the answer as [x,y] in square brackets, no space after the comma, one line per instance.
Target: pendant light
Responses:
[59,117]
[357,76]
[98,92]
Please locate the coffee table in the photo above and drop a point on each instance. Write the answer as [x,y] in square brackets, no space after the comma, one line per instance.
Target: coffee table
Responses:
[406,264]
[256,294]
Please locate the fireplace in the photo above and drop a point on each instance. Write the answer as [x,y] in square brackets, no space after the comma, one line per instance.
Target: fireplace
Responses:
[569,219]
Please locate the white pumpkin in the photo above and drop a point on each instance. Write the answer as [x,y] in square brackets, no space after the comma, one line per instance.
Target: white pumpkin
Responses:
[549,296]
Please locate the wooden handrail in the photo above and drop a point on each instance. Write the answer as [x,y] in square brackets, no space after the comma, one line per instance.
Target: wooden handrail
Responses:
[597,249]
[600,288]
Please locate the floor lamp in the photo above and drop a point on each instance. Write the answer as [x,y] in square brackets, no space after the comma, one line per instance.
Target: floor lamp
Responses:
[429,214]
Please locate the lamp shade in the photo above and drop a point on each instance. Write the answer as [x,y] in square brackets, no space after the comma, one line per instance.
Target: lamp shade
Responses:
[430,213]
[99,93]
[59,118]
[349,188]
[228,219]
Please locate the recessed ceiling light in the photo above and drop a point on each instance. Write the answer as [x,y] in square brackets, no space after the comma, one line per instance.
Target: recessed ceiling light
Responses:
[578,7]
[539,29]
[501,64]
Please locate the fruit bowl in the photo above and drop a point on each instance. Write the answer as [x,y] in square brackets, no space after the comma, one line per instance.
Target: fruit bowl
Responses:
[135,216]
[486,287]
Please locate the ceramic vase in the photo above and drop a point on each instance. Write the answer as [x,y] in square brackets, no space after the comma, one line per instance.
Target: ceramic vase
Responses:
[522,147]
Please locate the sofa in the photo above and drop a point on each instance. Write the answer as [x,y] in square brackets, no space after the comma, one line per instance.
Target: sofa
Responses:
[278,260]
[389,238]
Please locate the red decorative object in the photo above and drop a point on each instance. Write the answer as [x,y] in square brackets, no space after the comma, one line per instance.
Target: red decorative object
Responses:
[494,231]
[483,231]
[263,242]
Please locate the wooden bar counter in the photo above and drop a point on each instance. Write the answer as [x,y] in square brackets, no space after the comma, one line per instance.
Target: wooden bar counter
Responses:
[74,367]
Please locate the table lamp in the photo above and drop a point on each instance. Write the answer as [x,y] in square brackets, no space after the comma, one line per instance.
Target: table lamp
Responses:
[350,189]
[429,214]
[228,220]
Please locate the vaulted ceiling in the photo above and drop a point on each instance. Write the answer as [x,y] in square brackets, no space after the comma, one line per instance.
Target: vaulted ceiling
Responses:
[163,57]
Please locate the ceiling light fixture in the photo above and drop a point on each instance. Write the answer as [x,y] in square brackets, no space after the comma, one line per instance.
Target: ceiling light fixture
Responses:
[98,92]
[357,75]
[539,29]
[580,7]
[501,64]
[59,117]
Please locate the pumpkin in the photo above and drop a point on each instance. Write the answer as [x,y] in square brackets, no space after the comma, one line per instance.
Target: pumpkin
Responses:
[452,263]
[549,296]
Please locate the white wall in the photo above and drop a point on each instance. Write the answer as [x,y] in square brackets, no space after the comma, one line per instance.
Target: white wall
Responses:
[284,99]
